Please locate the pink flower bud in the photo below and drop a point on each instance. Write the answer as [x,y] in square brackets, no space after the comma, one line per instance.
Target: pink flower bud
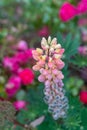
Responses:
[41,78]
[36,67]
[49,76]
[55,71]
[41,70]
[45,72]
[50,64]
[60,64]
[47,83]
[60,75]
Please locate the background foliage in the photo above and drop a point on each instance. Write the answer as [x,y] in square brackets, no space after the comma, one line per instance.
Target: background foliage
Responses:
[25,19]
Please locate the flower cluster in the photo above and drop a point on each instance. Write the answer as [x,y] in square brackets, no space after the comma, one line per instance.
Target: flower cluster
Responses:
[49,64]
[15,66]
[69,11]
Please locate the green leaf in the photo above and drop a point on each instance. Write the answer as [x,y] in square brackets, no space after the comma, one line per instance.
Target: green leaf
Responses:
[79,60]
[70,45]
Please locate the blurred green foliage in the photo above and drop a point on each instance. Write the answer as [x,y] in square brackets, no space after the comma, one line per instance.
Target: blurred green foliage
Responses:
[23,19]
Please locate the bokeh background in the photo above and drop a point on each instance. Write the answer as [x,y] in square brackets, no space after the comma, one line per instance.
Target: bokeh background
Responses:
[23,23]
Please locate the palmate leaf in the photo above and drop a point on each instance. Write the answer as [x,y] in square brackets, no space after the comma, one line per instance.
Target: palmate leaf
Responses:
[80,61]
[70,45]
[73,120]
[36,106]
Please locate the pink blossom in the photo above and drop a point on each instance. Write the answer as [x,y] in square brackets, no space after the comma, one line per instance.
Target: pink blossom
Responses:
[67,12]
[45,72]
[13,85]
[84,0]
[10,38]
[20,58]
[47,83]
[41,78]
[60,75]
[10,63]
[82,7]
[28,53]
[60,64]
[82,21]
[22,45]
[44,31]
[36,67]
[23,57]
[27,76]
[82,50]
[49,63]
[20,105]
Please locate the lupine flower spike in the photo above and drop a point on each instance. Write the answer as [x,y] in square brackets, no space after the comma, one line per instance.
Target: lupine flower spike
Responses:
[49,63]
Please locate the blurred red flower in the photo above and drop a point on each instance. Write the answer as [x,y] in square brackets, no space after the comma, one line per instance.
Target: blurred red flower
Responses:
[83,97]
[27,76]
[67,12]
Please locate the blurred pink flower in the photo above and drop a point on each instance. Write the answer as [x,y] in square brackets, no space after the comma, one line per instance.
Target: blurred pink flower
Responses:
[28,53]
[67,12]
[44,31]
[19,105]
[20,58]
[82,22]
[84,0]
[10,63]
[13,85]
[22,45]
[82,50]
[23,57]
[84,34]
[10,38]
[27,76]
[82,7]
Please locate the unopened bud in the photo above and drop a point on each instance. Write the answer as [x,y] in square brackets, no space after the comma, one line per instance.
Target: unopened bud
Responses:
[49,40]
